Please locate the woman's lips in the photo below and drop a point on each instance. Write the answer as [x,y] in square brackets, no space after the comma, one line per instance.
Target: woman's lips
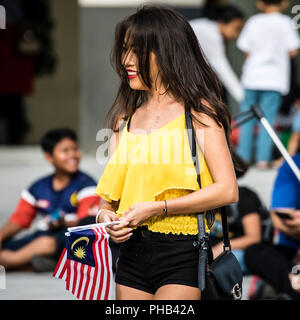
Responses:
[132,74]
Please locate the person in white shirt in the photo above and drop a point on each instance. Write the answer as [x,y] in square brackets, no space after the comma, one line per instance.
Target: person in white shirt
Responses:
[268,39]
[212,35]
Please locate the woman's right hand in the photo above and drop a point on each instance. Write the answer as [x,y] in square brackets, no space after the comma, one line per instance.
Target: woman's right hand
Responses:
[118,232]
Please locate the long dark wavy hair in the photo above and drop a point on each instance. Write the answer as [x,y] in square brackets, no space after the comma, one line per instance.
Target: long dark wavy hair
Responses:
[183,66]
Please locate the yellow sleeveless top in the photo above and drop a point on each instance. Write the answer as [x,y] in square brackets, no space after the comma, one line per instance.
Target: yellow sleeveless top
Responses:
[154,167]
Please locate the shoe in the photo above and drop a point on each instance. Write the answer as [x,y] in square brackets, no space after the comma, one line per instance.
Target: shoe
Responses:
[43,263]
[260,290]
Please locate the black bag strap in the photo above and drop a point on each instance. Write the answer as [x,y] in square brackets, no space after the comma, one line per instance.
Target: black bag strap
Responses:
[200,217]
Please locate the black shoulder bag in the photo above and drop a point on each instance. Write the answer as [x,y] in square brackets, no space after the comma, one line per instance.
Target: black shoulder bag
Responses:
[219,279]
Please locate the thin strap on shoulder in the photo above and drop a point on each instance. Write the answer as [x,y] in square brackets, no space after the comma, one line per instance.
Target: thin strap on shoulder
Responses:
[128,123]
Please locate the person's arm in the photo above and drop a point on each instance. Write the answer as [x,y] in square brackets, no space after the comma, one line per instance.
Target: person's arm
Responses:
[114,141]
[117,233]
[9,230]
[293,144]
[21,218]
[293,53]
[289,227]
[284,199]
[294,141]
[252,234]
[224,189]
[212,44]
[292,39]
[226,74]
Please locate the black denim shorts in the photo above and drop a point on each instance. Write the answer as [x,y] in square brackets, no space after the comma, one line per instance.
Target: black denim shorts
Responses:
[149,260]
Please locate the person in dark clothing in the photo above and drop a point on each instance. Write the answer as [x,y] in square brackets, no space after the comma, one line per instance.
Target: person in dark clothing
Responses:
[26,51]
[274,262]
[244,222]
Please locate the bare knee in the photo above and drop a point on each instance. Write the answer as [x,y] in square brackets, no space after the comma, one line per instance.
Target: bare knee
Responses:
[45,245]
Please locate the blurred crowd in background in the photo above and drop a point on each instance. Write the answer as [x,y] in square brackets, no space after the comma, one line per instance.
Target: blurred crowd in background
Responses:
[266,241]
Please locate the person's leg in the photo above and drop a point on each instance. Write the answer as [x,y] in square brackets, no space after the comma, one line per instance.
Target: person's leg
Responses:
[128,293]
[177,292]
[16,244]
[272,264]
[245,144]
[239,254]
[43,245]
[269,102]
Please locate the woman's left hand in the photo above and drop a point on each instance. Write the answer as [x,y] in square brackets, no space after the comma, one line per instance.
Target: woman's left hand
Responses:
[140,212]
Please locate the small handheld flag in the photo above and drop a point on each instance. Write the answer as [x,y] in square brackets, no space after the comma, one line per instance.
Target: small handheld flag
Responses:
[86,264]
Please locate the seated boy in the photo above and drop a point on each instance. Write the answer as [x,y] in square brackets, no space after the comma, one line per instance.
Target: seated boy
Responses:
[62,199]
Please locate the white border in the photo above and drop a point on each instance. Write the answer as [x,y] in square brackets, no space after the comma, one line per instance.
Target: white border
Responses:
[135,3]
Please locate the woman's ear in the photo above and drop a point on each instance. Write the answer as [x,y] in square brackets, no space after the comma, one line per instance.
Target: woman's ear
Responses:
[49,158]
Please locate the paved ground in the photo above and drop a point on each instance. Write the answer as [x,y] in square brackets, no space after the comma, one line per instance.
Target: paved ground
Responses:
[19,167]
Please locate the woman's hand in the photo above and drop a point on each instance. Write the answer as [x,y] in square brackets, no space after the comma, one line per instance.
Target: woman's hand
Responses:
[142,211]
[116,232]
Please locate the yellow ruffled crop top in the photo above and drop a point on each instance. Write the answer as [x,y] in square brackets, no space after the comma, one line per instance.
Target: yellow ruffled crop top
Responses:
[154,167]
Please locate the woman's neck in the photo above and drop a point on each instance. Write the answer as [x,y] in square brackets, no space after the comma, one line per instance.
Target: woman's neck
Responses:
[158,101]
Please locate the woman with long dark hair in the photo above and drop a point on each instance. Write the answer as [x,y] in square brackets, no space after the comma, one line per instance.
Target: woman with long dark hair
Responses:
[163,75]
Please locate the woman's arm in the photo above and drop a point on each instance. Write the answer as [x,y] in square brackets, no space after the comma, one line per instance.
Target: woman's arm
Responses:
[224,189]
[118,233]
[113,206]
[113,143]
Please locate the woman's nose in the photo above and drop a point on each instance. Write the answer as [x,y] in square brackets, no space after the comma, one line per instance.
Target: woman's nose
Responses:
[128,59]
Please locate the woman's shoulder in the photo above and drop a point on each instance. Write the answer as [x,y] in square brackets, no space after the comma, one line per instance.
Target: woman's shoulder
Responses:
[204,119]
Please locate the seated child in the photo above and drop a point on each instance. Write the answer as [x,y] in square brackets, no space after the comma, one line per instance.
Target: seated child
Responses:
[62,199]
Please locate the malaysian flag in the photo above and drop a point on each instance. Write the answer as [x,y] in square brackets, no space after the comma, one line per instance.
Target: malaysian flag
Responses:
[86,265]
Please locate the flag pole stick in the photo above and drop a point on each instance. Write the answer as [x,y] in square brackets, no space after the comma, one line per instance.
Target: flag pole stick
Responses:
[256,112]
[89,226]
[259,114]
